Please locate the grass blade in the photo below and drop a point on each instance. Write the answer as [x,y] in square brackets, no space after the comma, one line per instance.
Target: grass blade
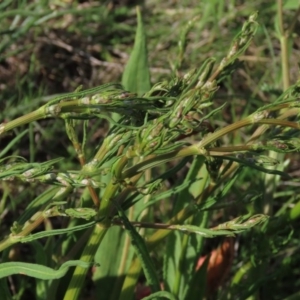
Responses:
[136,76]
[141,251]
[39,271]
[161,295]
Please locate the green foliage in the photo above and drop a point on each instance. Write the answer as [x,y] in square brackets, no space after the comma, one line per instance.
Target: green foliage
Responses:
[141,251]
[38,271]
[183,168]
[136,76]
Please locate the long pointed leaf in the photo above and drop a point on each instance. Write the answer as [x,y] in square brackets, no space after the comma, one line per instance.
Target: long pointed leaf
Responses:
[39,271]
[136,76]
[141,251]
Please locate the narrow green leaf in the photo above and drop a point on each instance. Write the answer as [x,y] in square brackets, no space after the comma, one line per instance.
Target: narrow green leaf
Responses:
[161,295]
[48,233]
[171,259]
[136,76]
[13,142]
[39,271]
[141,251]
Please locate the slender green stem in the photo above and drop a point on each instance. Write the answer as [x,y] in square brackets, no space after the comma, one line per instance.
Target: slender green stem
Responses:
[261,129]
[97,236]
[285,61]
[280,16]
[284,42]
[271,179]
[33,116]
[78,278]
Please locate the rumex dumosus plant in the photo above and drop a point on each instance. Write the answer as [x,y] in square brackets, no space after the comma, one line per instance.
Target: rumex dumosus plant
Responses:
[155,132]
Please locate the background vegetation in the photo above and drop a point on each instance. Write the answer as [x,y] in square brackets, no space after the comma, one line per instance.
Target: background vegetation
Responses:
[236,196]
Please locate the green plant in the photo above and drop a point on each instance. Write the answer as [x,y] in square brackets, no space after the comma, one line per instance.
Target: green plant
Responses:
[155,132]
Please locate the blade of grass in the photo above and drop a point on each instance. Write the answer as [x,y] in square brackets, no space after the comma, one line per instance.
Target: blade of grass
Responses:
[136,76]
[39,271]
[141,251]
